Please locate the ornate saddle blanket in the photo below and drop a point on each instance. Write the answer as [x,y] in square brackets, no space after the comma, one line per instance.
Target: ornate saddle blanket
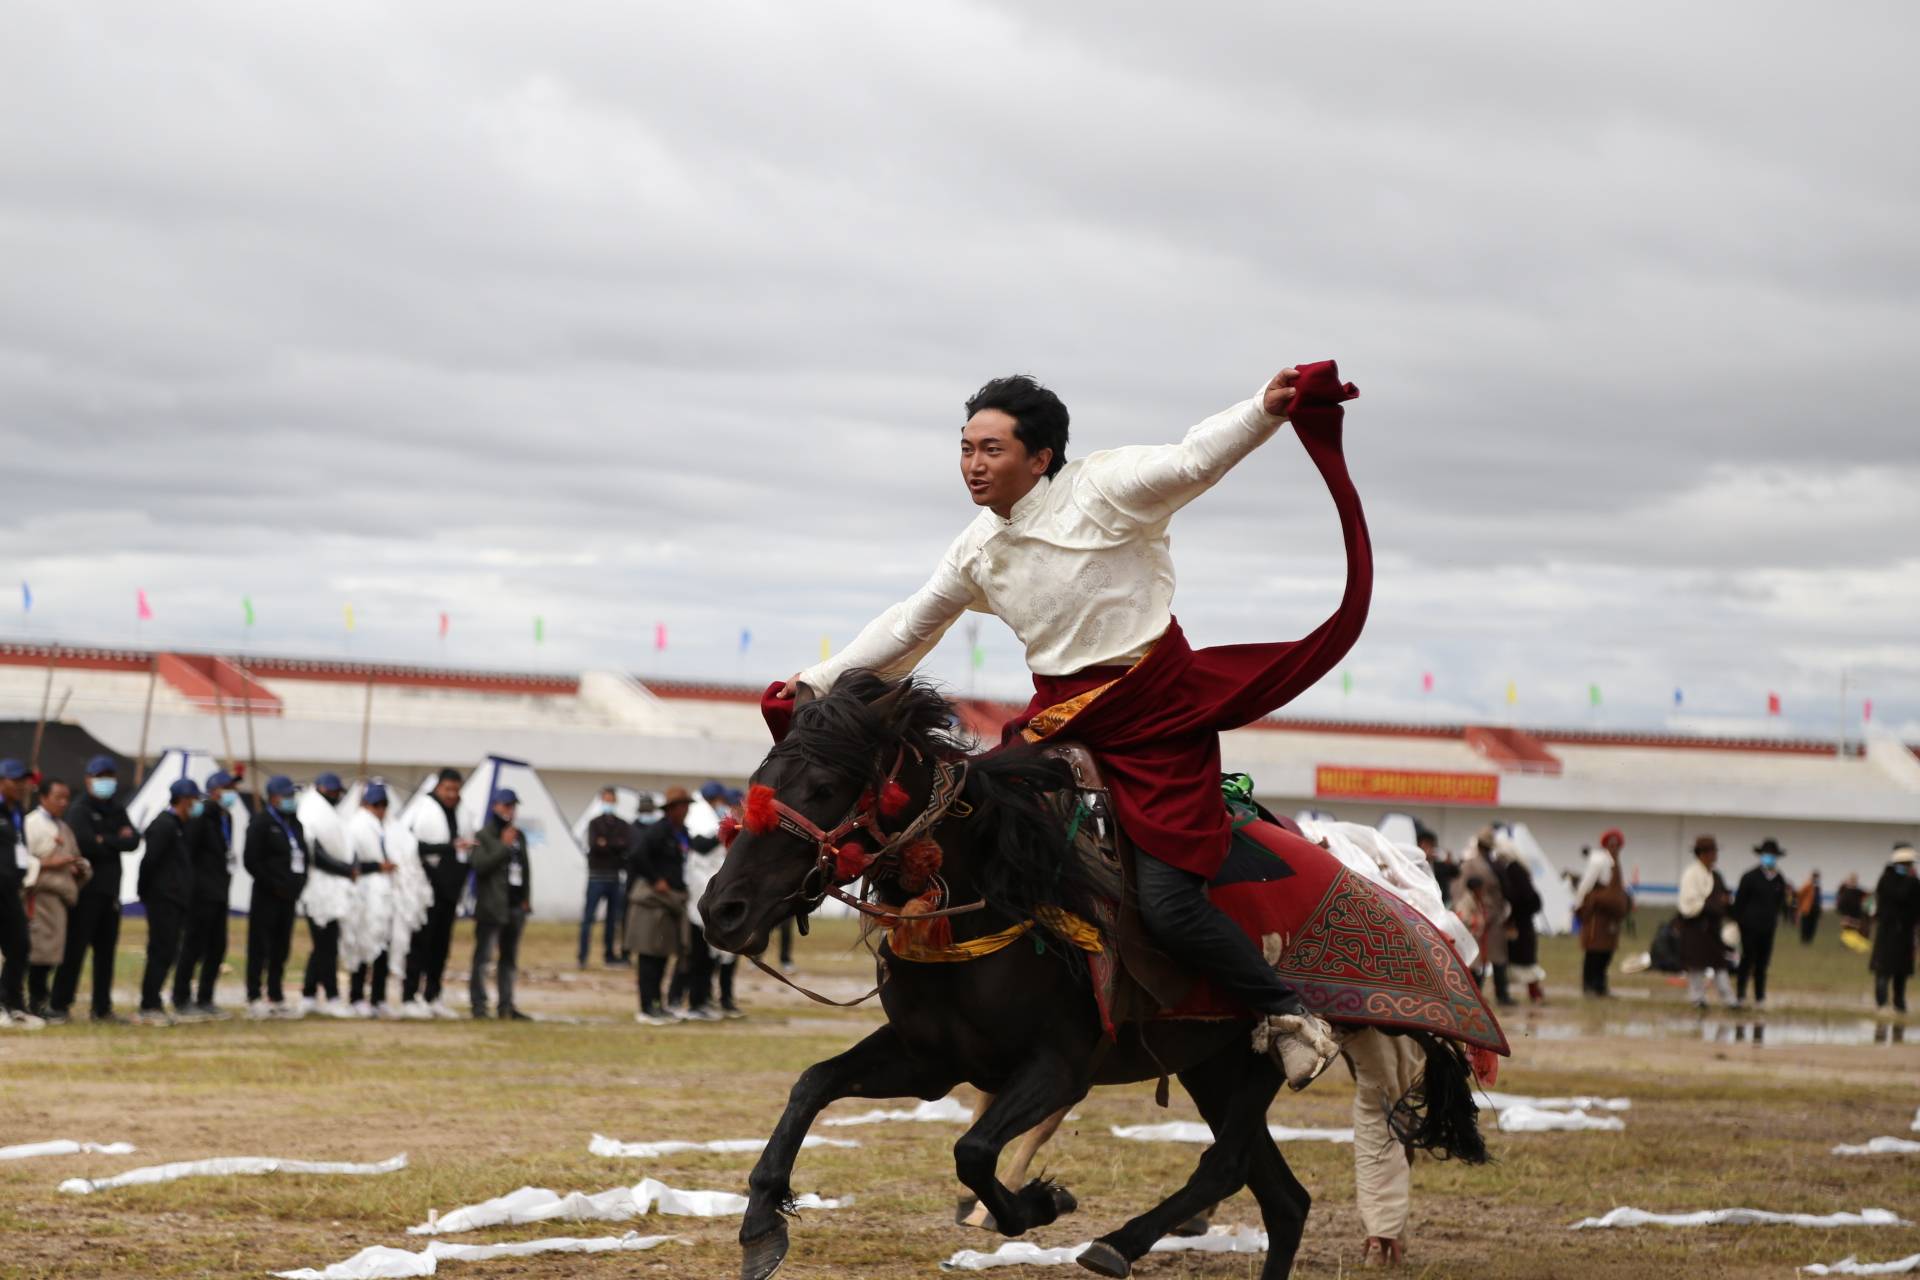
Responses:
[1357,954]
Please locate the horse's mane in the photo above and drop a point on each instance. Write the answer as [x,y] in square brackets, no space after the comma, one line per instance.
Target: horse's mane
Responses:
[1018,823]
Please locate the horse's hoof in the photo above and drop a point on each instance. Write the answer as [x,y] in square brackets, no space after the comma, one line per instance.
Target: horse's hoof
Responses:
[1064,1201]
[1197,1225]
[963,1209]
[1103,1259]
[762,1256]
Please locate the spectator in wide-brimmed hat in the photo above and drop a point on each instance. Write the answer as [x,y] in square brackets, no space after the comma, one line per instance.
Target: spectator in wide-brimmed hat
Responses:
[1760,902]
[1704,902]
[1896,914]
[658,929]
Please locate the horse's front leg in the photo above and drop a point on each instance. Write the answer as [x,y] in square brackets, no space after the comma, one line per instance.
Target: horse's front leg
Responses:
[878,1067]
[1038,1090]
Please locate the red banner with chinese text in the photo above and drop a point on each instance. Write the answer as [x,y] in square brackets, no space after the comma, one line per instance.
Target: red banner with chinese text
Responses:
[1406,786]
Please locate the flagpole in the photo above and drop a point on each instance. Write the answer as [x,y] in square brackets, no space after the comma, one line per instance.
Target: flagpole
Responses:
[366,729]
[46,696]
[146,720]
[253,758]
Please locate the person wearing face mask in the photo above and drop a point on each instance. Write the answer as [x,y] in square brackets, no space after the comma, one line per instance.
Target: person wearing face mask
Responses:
[503,896]
[105,834]
[1896,913]
[276,858]
[328,896]
[204,946]
[166,891]
[60,875]
[609,836]
[15,944]
[444,851]
[1759,903]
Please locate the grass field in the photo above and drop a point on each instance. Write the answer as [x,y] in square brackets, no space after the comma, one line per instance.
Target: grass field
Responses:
[483,1108]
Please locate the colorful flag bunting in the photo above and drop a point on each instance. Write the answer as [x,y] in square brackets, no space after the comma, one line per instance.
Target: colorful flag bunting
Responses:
[26,598]
[1513,693]
[347,611]
[659,637]
[1593,695]
[1677,697]
[141,609]
[826,648]
[979,655]
[539,630]
[1346,682]
[1773,704]
[445,622]
[1426,682]
[246,608]
[1866,710]
[746,639]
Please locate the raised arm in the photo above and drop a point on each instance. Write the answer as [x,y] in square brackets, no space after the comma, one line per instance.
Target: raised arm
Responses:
[1145,484]
[895,642]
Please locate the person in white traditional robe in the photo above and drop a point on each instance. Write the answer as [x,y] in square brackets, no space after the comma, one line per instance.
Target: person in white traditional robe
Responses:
[367,926]
[328,896]
[445,847]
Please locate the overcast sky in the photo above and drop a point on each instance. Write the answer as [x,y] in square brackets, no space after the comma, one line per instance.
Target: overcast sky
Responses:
[623,315]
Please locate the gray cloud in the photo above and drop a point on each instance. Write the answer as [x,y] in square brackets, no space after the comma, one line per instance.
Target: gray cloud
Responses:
[619,316]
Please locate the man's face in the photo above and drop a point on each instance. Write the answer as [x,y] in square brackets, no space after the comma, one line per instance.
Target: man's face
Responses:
[55,800]
[1613,847]
[676,814]
[331,795]
[448,792]
[995,465]
[10,790]
[505,813]
[1708,857]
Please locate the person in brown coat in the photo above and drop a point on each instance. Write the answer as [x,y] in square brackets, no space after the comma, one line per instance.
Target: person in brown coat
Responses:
[1481,879]
[1604,904]
[1704,903]
[59,876]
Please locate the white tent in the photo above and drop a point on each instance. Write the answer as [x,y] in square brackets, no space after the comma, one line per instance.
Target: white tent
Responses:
[559,867]
[174,764]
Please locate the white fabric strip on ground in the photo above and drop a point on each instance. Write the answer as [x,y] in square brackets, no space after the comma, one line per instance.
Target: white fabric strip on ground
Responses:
[227,1167]
[538,1204]
[1850,1266]
[1879,1147]
[1742,1218]
[384,1263]
[601,1145]
[1578,1102]
[65,1147]
[941,1110]
[1524,1119]
[1194,1131]
[1019,1253]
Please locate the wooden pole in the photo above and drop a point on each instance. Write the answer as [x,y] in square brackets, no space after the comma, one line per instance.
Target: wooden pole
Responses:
[366,729]
[46,695]
[253,758]
[226,742]
[146,721]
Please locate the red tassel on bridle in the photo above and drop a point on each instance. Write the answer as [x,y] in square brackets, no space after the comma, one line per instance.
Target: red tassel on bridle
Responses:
[761,817]
[893,800]
[729,831]
[919,865]
[850,860]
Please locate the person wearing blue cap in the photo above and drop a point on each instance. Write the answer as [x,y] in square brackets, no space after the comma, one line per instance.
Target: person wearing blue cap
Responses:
[15,944]
[503,898]
[329,895]
[276,858]
[105,834]
[203,947]
[367,846]
[165,884]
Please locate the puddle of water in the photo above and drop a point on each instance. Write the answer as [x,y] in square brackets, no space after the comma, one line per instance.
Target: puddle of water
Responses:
[1716,1030]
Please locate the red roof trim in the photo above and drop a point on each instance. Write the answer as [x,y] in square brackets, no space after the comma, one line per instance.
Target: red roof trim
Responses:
[521,682]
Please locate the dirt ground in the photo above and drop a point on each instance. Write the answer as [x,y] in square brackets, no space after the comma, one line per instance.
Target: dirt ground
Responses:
[1718,1120]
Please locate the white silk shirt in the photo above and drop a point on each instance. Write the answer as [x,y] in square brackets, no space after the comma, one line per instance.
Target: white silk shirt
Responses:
[1081,568]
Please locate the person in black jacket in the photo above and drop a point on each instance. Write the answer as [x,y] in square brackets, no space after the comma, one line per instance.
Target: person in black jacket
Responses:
[204,945]
[657,926]
[276,858]
[1896,914]
[609,836]
[15,944]
[1523,904]
[104,833]
[166,891]
[1759,902]
[444,855]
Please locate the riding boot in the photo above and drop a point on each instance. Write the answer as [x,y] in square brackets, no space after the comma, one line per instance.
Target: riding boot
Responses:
[1502,995]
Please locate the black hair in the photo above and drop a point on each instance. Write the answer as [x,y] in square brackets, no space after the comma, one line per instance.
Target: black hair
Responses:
[450,775]
[48,784]
[1039,419]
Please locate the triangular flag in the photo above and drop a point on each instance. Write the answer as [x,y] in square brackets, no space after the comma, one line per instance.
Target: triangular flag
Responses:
[979,655]
[826,648]
[1677,698]
[246,607]
[1773,704]
[539,630]
[347,611]
[1513,693]
[659,636]
[26,598]
[1346,682]
[746,639]
[1426,682]
[445,622]
[1866,710]
[141,609]
[1593,694]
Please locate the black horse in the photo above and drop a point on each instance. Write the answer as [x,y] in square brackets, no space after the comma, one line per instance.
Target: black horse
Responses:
[1021,1023]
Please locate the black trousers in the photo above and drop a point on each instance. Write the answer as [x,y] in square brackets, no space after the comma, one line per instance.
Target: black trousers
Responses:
[93,925]
[1808,923]
[427,955]
[14,946]
[1593,971]
[269,939]
[651,972]
[166,922]
[786,941]
[39,986]
[1890,984]
[725,973]
[1198,934]
[203,948]
[374,990]
[323,962]
[693,974]
[506,936]
[1756,954]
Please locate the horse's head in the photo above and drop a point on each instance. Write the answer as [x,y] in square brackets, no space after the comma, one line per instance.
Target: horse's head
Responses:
[836,757]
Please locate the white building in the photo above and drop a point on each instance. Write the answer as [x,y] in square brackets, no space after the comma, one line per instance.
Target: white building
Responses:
[1836,811]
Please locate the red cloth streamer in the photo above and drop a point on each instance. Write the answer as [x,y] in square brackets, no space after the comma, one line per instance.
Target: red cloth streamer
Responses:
[761,816]
[1485,1065]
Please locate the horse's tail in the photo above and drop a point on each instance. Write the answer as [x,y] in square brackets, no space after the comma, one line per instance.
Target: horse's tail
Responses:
[1438,1115]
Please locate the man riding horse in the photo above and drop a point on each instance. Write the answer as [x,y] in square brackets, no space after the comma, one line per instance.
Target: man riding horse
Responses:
[1075,558]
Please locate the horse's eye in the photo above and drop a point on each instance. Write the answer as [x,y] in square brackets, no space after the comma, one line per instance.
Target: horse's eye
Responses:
[820,791]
